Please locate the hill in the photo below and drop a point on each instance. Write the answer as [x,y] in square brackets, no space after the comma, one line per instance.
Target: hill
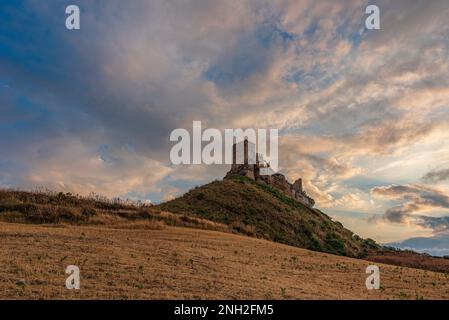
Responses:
[216,203]
[185,263]
[261,210]
[47,207]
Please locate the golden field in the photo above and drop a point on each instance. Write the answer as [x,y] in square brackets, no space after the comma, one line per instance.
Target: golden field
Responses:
[148,261]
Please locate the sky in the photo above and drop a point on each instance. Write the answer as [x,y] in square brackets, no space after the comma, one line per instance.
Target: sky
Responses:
[362,114]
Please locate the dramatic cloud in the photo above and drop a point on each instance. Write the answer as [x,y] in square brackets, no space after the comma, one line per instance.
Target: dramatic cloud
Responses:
[436,176]
[437,245]
[417,198]
[92,110]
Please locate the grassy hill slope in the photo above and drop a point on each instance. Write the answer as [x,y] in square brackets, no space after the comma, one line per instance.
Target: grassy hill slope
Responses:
[261,210]
[273,212]
[66,208]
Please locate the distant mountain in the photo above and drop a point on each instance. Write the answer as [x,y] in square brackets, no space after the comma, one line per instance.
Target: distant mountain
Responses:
[435,246]
[264,211]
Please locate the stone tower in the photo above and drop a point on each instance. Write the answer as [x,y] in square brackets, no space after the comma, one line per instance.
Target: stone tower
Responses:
[247,162]
[244,159]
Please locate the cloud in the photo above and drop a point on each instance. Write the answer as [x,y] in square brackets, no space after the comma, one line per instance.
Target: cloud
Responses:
[68,165]
[435,245]
[344,98]
[436,176]
[415,199]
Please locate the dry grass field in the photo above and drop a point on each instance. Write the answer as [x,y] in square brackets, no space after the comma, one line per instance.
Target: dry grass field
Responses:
[139,261]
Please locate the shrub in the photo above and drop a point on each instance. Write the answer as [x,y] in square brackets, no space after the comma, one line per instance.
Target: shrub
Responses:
[370,244]
[88,212]
[335,245]
[11,216]
[247,229]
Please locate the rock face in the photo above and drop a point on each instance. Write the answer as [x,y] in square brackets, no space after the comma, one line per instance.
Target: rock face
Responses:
[249,163]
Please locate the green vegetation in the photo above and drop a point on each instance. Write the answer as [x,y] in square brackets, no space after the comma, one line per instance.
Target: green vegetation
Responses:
[238,205]
[54,207]
[260,210]
[57,207]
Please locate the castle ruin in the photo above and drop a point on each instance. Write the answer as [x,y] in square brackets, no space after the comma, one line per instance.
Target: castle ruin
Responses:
[248,163]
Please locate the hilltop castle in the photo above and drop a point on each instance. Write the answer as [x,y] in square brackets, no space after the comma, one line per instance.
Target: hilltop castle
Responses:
[251,168]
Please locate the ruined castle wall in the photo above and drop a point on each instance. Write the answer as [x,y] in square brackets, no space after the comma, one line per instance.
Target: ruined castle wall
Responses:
[292,190]
[277,180]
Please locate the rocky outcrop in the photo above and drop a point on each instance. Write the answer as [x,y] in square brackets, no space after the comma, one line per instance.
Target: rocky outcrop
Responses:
[294,190]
